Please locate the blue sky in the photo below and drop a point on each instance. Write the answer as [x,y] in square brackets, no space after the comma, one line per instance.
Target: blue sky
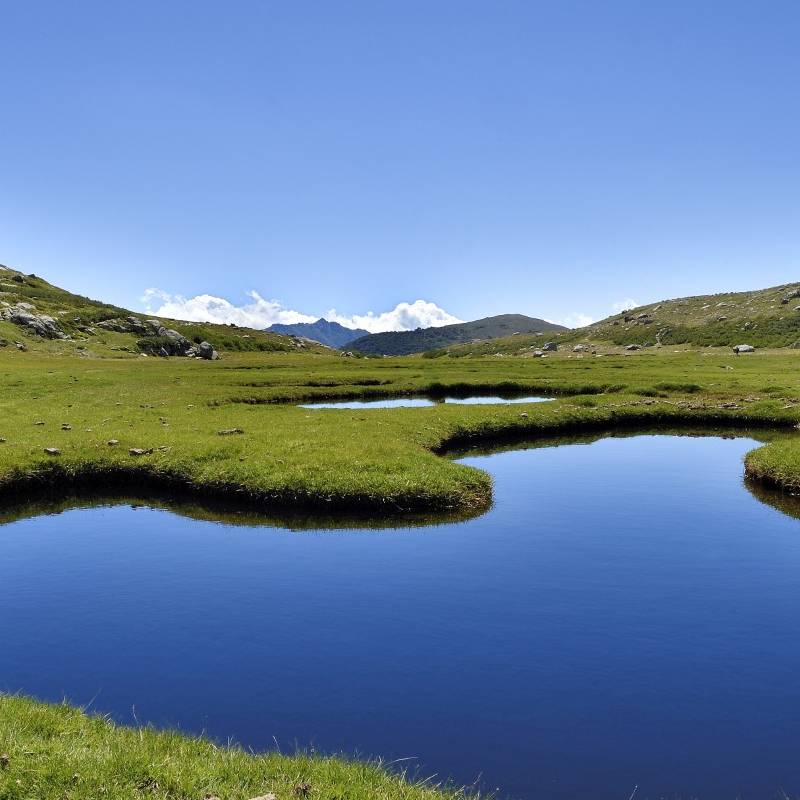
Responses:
[487,157]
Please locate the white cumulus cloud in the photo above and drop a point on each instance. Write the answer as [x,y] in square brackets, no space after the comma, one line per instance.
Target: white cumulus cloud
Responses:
[624,305]
[574,320]
[403,317]
[260,313]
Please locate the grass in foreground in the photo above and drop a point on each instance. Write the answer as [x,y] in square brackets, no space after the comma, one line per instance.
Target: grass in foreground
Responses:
[54,752]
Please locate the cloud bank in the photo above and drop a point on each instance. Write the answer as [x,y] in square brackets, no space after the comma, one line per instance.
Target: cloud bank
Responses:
[260,313]
[625,305]
[403,317]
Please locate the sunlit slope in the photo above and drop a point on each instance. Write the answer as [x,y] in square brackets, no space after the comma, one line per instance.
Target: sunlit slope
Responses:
[88,327]
[762,318]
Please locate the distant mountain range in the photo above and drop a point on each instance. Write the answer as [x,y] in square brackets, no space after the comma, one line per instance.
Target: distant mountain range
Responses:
[330,333]
[401,343]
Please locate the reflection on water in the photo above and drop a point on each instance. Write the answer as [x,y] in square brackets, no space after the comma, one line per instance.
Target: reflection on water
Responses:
[423,402]
[626,614]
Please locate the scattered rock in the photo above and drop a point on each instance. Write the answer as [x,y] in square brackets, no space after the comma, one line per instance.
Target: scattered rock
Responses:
[229,431]
[66,426]
[39,422]
[269,796]
[112,442]
[633,347]
[580,348]
[4,760]
[52,451]
[549,347]
[2,440]
[536,353]
[20,346]
[138,451]
[744,348]
[206,350]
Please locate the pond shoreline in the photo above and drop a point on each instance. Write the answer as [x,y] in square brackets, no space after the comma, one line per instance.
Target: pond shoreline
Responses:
[60,479]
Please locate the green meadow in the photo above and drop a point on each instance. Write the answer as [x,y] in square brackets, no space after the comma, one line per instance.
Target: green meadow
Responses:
[232,428]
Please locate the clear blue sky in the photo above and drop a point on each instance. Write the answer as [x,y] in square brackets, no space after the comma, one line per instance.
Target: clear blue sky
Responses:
[497,156]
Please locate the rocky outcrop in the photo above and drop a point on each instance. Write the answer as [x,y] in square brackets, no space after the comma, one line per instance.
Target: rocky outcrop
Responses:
[22,314]
[125,325]
[166,342]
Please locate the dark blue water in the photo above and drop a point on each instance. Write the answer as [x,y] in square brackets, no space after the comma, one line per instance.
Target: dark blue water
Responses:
[421,402]
[628,614]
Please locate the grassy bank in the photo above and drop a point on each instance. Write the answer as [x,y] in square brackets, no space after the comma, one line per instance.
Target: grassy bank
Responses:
[231,428]
[52,752]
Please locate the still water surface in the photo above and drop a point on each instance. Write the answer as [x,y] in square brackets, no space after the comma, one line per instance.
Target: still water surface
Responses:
[627,614]
[422,402]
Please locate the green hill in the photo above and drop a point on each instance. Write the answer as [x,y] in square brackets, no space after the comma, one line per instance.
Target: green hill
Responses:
[402,343]
[762,318]
[36,315]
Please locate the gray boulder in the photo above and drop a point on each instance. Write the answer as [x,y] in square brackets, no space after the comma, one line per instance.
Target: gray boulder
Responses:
[39,324]
[744,348]
[549,347]
[207,351]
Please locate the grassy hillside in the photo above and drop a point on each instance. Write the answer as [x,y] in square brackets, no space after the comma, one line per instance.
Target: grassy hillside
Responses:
[81,319]
[766,318]
[403,343]
[53,752]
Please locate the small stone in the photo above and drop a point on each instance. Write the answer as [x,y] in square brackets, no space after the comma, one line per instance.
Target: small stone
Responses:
[4,759]
[229,431]
[112,442]
[39,422]
[2,440]
[138,451]
[66,426]
[52,451]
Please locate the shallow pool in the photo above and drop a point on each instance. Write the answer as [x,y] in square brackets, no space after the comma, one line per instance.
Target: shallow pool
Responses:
[422,402]
[628,614]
